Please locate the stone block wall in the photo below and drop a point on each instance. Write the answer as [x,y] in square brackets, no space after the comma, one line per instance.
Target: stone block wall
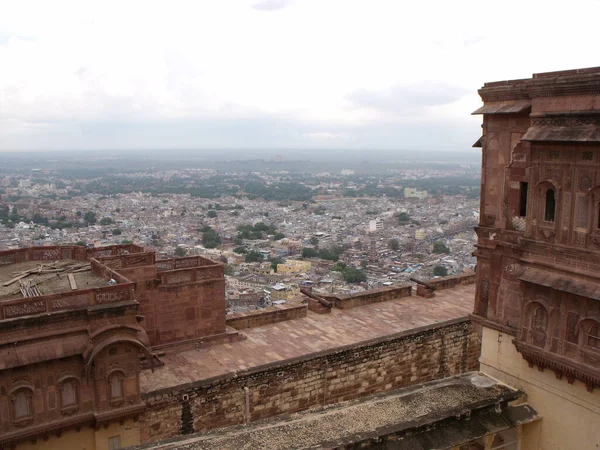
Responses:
[345,373]
[452,281]
[372,296]
[266,316]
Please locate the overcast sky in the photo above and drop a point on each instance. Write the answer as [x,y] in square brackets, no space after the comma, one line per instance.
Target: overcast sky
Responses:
[271,73]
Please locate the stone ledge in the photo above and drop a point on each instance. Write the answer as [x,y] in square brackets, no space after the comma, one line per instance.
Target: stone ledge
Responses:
[265,316]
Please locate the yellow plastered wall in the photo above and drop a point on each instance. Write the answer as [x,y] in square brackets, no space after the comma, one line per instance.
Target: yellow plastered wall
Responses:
[570,413]
[87,438]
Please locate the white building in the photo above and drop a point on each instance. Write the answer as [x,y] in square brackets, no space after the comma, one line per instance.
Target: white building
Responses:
[414,193]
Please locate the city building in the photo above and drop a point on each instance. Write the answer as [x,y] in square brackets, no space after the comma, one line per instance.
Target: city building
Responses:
[294,266]
[414,193]
[538,250]
[375,225]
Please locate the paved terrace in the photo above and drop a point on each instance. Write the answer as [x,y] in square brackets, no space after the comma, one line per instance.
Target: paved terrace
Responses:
[440,414]
[314,333]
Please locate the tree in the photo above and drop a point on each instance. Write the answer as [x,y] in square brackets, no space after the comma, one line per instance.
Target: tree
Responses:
[81,243]
[212,214]
[275,262]
[117,232]
[180,251]
[314,241]
[210,238]
[308,252]
[106,221]
[403,217]
[363,263]
[228,270]
[253,256]
[393,244]
[339,267]
[354,275]
[278,236]
[240,250]
[89,218]
[440,247]
[440,271]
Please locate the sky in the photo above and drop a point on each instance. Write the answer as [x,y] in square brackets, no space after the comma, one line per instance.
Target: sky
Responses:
[271,74]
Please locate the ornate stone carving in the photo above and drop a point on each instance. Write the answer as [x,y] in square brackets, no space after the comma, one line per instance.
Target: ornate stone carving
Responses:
[7,259]
[572,121]
[179,277]
[515,269]
[45,255]
[585,182]
[112,296]
[519,223]
[25,308]
[72,302]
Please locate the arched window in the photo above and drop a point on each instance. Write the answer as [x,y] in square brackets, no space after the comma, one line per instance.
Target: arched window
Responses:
[550,209]
[539,320]
[22,407]
[593,337]
[115,382]
[68,393]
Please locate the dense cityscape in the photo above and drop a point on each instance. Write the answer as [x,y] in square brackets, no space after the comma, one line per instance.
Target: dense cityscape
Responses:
[342,231]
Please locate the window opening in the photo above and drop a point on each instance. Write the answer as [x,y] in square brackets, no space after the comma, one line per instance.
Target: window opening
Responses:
[550,206]
[523,200]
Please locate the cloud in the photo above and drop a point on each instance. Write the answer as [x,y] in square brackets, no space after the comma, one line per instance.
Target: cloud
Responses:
[406,99]
[271,5]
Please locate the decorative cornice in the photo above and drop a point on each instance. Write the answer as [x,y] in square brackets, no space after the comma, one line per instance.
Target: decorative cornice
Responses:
[536,356]
[566,121]
[554,84]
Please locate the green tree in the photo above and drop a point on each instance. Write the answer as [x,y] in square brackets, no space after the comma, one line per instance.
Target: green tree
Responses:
[440,247]
[275,262]
[314,241]
[278,236]
[228,270]
[403,217]
[253,256]
[212,214]
[210,238]
[180,251]
[81,243]
[339,267]
[240,250]
[89,218]
[440,271]
[363,263]
[354,275]
[117,232]
[106,221]
[308,252]
[394,244]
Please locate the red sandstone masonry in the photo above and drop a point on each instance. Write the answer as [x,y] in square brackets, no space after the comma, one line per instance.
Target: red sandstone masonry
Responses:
[349,372]
[373,296]
[266,316]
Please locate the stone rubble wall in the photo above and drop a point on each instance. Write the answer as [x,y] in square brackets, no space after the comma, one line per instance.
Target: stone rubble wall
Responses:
[379,365]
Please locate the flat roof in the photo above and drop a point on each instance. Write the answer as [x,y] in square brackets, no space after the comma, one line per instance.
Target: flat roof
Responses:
[310,334]
[411,410]
[48,283]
